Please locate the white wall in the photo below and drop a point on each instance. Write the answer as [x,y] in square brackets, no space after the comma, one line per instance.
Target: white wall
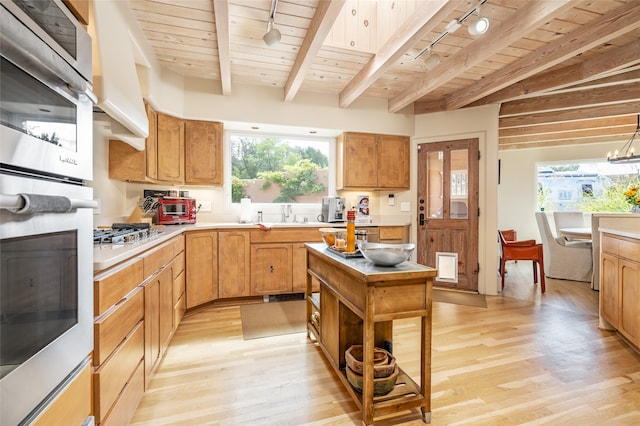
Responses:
[481,123]
[517,192]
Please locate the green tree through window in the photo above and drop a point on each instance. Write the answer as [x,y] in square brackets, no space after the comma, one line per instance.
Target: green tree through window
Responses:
[278,170]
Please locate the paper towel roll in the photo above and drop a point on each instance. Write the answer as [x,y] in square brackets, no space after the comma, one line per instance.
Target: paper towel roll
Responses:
[245,210]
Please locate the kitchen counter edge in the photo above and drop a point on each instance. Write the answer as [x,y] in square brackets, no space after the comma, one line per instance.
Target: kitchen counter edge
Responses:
[108,255]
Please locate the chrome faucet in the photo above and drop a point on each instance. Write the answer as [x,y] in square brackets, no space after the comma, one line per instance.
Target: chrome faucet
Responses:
[285,211]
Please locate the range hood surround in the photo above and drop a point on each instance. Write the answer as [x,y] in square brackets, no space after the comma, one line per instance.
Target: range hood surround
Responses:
[115,79]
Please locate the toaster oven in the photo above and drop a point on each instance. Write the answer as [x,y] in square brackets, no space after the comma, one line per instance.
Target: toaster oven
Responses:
[175,211]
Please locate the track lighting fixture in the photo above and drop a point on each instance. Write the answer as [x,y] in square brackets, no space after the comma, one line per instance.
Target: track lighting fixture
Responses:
[272,36]
[479,25]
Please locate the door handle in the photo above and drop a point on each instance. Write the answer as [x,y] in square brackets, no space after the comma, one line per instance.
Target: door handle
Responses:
[421,219]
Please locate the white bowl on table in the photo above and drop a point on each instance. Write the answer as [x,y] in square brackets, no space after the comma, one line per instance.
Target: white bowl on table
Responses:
[386,254]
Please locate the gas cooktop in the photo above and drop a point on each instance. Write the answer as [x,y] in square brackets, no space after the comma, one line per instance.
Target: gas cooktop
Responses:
[121,233]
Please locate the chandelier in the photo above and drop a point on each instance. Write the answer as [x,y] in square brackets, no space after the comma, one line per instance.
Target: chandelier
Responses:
[626,154]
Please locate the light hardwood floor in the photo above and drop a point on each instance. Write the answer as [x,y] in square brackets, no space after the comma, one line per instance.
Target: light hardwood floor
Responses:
[527,359]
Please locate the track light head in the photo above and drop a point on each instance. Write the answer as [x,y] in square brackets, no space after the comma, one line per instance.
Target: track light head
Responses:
[272,36]
[479,26]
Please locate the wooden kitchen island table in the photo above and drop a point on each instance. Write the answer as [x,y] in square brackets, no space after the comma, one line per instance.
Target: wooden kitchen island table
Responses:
[356,305]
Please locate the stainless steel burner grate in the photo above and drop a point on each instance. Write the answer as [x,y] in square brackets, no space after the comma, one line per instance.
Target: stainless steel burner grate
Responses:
[123,233]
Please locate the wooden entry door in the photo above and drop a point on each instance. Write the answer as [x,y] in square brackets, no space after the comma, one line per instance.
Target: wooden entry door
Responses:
[448,208]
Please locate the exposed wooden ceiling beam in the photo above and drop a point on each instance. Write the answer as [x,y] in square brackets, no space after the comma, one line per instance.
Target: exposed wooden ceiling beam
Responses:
[618,22]
[321,23]
[577,114]
[221,11]
[527,19]
[422,22]
[567,127]
[593,68]
[585,98]
[625,131]
[503,146]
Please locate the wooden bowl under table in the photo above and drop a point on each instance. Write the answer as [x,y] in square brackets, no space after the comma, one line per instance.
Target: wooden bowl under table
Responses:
[381,385]
[383,362]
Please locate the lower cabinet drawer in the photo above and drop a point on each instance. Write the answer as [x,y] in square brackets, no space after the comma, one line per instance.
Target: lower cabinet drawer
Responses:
[111,377]
[112,328]
[125,407]
[115,283]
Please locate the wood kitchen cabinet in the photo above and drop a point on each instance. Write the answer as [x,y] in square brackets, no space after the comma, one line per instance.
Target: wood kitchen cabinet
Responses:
[170,149]
[118,355]
[128,164]
[620,285]
[271,267]
[373,161]
[201,267]
[135,318]
[234,267]
[158,320]
[279,260]
[176,151]
[203,153]
[80,9]
[393,234]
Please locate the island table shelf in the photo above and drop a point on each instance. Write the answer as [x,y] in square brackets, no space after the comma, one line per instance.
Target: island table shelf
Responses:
[356,305]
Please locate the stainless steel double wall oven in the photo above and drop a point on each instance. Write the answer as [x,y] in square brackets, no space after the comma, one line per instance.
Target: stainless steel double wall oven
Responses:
[46,217]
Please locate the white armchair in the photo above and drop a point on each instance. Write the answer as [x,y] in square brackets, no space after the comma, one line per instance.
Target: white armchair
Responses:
[565,260]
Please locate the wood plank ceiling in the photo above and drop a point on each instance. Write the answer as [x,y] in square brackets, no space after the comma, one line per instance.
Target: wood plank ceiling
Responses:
[564,71]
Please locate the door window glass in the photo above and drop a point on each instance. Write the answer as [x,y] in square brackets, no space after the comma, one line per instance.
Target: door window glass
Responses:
[435,184]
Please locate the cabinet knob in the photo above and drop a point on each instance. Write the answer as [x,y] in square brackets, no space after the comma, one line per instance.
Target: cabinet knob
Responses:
[271,268]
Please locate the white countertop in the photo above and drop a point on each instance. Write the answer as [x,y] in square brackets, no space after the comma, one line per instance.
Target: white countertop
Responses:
[622,233]
[108,255]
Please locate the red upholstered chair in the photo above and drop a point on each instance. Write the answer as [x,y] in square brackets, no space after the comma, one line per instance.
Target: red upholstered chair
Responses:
[522,250]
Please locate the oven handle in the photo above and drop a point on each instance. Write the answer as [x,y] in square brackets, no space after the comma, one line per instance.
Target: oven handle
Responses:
[36,203]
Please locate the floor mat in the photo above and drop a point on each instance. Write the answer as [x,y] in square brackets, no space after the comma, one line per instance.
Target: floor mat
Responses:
[273,319]
[459,298]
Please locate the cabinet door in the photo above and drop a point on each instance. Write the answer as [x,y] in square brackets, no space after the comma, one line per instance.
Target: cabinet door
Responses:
[201,267]
[234,264]
[299,268]
[629,275]
[393,162]
[126,163]
[609,289]
[203,152]
[165,310]
[151,144]
[271,269]
[151,327]
[357,152]
[170,149]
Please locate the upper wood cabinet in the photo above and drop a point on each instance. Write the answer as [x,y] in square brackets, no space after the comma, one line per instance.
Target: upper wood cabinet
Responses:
[170,149]
[176,151]
[203,153]
[80,9]
[373,162]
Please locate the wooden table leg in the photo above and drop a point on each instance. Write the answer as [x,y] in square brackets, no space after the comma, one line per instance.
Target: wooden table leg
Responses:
[368,346]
